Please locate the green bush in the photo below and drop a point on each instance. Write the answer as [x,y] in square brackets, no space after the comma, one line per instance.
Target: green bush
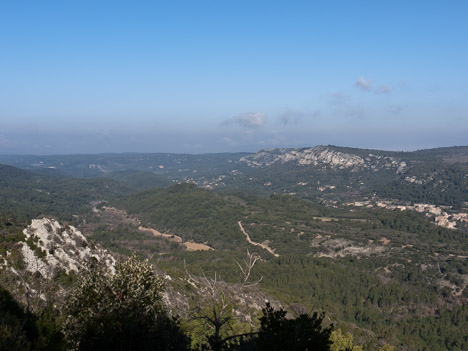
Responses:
[121,311]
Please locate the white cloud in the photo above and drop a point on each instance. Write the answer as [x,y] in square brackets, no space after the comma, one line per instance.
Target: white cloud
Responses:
[363,83]
[249,120]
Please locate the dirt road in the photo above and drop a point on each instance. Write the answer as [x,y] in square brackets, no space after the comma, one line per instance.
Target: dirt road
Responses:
[254,243]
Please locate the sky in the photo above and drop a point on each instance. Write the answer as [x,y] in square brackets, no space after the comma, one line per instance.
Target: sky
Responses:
[225,76]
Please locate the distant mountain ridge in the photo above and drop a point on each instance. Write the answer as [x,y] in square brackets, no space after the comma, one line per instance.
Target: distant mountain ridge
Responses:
[93,165]
[168,163]
[322,155]
[320,173]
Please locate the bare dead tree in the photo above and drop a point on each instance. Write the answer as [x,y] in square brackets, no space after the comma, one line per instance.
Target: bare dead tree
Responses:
[216,300]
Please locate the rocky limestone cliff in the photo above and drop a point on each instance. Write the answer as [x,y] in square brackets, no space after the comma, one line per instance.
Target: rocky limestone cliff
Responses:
[320,156]
[50,247]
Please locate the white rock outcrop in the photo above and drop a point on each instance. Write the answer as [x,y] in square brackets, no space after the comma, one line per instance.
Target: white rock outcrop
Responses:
[58,247]
[322,156]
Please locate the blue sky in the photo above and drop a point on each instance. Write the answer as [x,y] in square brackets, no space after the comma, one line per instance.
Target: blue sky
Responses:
[210,76]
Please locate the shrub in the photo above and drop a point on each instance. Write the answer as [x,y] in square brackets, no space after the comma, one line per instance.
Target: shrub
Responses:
[120,311]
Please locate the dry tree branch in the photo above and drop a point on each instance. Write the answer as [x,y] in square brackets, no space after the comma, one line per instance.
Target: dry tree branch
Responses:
[220,297]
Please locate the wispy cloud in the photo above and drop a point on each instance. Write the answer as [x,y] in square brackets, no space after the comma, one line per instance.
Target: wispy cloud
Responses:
[366,85]
[363,84]
[383,89]
[293,116]
[355,111]
[248,120]
[290,116]
[338,98]
[341,104]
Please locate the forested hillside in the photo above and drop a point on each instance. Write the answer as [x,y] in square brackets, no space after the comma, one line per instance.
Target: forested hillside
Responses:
[391,272]
[28,195]
[388,271]
[320,173]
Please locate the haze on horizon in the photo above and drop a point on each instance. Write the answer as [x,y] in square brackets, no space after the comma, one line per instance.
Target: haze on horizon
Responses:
[215,76]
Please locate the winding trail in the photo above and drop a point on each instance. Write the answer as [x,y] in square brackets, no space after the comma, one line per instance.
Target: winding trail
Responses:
[254,243]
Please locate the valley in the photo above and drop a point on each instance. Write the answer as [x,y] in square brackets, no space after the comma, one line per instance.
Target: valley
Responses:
[376,239]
